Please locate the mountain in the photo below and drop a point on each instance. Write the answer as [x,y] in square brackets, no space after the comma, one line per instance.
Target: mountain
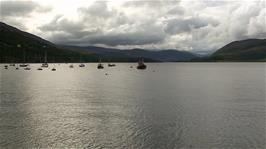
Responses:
[167,55]
[245,50]
[20,46]
[150,55]
[106,54]
[15,44]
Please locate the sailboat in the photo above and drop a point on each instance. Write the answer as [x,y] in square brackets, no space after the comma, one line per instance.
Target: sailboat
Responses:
[53,69]
[141,64]
[17,67]
[45,64]
[24,60]
[110,64]
[81,65]
[40,62]
[100,65]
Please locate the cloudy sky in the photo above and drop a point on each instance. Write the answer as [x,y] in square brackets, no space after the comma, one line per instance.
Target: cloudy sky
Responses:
[192,25]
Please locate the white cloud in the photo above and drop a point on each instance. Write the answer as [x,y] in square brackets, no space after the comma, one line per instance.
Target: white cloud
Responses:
[185,24]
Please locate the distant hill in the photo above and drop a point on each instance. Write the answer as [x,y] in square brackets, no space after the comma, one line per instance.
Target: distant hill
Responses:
[14,44]
[245,50]
[150,55]
[106,54]
[167,55]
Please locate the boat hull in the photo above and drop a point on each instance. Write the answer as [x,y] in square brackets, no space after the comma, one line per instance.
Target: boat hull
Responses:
[141,67]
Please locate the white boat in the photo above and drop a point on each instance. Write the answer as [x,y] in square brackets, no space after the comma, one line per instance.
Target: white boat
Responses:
[23,65]
[111,65]
[45,65]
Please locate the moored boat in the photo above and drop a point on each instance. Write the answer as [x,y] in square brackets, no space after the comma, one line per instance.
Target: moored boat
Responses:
[100,65]
[81,65]
[27,68]
[141,64]
[111,65]
[23,65]
[45,65]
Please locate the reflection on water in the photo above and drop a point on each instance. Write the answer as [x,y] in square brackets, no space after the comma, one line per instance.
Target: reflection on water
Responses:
[169,105]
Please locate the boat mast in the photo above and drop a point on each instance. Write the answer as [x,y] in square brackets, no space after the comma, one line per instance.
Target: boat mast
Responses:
[45,57]
[45,54]
[24,56]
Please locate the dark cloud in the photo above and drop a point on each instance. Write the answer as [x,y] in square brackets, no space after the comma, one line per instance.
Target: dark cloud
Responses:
[59,23]
[97,9]
[115,39]
[133,38]
[66,32]
[61,26]
[99,24]
[21,8]
[53,25]
[176,26]
[14,8]
[178,10]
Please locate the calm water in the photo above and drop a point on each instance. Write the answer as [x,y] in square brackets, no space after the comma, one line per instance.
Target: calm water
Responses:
[169,105]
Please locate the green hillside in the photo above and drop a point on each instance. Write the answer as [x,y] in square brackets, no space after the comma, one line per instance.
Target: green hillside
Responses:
[15,44]
[245,50]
